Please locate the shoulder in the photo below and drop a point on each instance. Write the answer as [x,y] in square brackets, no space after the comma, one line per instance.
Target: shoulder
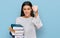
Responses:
[18,18]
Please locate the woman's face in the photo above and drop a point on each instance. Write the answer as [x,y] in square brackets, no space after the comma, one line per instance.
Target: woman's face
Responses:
[27,10]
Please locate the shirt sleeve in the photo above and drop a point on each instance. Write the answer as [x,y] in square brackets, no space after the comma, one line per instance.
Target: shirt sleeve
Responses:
[17,22]
[37,22]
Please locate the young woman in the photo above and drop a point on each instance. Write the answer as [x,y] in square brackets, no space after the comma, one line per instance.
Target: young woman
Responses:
[29,19]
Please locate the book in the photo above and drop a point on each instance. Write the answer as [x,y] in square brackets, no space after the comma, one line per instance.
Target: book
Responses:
[16,25]
[19,36]
[19,30]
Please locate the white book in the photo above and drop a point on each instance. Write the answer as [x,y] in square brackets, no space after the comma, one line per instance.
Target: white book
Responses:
[18,28]
[19,36]
[19,32]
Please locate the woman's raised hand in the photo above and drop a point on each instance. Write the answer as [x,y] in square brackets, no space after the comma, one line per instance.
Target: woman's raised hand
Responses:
[35,9]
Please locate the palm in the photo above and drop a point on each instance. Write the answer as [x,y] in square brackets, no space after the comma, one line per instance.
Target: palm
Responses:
[35,8]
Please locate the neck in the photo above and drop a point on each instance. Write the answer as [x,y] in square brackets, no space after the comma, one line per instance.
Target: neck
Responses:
[26,16]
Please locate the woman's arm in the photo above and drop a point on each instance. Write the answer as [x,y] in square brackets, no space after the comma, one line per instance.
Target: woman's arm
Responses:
[12,30]
[36,20]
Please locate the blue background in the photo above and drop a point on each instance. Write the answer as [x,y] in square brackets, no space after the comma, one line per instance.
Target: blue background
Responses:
[49,11]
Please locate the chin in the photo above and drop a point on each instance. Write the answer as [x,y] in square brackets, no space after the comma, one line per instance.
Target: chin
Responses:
[26,15]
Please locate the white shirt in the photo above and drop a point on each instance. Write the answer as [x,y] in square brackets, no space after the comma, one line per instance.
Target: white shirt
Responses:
[30,24]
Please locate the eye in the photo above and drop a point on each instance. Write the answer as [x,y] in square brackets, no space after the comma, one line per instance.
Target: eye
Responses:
[24,9]
[28,8]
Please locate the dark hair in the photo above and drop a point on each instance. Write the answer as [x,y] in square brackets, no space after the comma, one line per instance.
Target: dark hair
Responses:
[26,3]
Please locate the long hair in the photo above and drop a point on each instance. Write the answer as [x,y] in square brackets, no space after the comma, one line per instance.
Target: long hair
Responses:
[27,3]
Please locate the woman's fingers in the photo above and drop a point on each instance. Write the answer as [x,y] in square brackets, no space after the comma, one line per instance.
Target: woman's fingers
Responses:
[11,29]
[35,8]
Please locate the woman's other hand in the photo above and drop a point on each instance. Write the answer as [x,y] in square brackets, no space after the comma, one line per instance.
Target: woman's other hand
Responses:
[10,28]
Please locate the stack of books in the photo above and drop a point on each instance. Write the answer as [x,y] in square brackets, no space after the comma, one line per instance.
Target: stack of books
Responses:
[19,30]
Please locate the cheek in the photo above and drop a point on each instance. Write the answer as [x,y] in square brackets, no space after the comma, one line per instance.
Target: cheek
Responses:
[29,11]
